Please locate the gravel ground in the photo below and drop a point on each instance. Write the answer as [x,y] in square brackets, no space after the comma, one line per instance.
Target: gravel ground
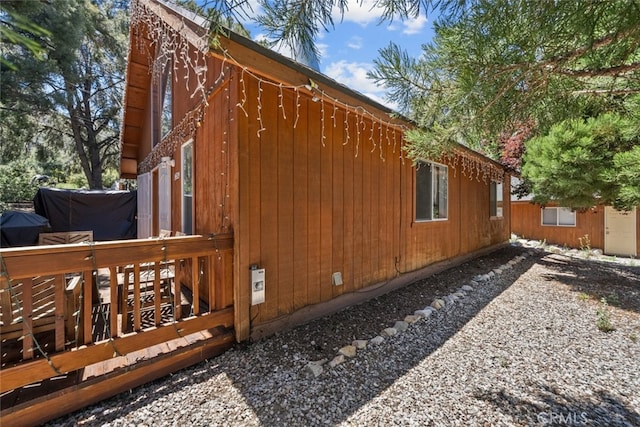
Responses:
[522,348]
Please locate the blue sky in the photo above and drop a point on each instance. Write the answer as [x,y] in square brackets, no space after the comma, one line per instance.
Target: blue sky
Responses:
[348,50]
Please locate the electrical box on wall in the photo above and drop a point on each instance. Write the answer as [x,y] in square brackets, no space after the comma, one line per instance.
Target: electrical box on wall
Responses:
[257,285]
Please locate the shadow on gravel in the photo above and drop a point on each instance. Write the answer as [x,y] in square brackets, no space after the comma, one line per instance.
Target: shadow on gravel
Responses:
[270,374]
[289,394]
[594,280]
[551,408]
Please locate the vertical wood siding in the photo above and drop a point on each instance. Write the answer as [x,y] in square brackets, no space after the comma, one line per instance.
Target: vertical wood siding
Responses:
[310,207]
[526,220]
[304,207]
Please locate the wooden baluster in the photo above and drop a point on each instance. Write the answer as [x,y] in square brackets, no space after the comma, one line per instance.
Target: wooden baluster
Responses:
[195,272]
[113,301]
[157,314]
[27,323]
[124,300]
[214,294]
[137,312]
[60,285]
[177,298]
[87,306]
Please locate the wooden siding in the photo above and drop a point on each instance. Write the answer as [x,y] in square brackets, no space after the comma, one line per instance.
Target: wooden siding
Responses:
[308,210]
[310,207]
[305,201]
[467,228]
[526,221]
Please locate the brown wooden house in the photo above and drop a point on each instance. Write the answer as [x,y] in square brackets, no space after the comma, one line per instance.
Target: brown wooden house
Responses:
[226,136]
[600,227]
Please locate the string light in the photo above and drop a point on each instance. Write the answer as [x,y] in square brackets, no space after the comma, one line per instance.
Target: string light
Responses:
[171,40]
[346,128]
[244,95]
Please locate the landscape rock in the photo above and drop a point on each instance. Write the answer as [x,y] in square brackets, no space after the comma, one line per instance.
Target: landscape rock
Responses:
[336,361]
[377,340]
[412,318]
[348,351]
[400,326]
[359,344]
[389,332]
[467,288]
[423,313]
[438,304]
[314,369]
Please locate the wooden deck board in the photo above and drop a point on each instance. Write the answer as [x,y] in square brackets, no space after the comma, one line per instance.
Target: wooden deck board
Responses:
[56,397]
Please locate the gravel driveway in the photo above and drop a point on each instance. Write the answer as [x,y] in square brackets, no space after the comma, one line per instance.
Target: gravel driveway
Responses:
[522,348]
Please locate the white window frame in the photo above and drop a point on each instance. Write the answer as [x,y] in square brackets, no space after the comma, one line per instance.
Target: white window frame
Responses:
[557,210]
[496,211]
[190,212]
[161,102]
[164,194]
[145,206]
[434,167]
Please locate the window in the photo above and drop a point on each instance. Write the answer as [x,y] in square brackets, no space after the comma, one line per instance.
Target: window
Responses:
[164,194]
[558,216]
[495,199]
[161,104]
[431,191]
[187,188]
[144,201]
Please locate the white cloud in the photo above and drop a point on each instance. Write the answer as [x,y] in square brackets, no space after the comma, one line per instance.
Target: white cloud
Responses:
[355,42]
[414,25]
[362,14]
[354,76]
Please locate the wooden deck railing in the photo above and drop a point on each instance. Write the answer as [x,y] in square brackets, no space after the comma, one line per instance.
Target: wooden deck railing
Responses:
[65,307]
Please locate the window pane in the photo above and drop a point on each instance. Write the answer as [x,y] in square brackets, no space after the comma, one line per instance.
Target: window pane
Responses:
[566,216]
[187,188]
[492,199]
[423,191]
[166,122]
[440,192]
[549,216]
[495,199]
[499,203]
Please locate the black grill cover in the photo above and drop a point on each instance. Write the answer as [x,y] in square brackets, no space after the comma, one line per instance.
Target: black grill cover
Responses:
[19,228]
[111,215]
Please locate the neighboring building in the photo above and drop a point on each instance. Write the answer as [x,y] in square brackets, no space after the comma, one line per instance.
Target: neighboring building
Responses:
[601,227]
[307,174]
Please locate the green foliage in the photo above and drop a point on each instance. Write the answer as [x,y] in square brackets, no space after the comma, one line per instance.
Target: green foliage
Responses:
[626,174]
[603,322]
[495,64]
[68,101]
[16,29]
[582,162]
[16,182]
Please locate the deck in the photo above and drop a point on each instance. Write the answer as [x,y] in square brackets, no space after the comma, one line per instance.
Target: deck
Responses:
[85,321]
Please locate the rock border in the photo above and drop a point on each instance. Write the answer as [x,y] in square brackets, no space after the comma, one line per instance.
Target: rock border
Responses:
[316,368]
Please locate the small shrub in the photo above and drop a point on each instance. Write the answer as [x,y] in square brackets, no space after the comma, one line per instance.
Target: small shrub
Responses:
[613,299]
[603,321]
[585,244]
[583,297]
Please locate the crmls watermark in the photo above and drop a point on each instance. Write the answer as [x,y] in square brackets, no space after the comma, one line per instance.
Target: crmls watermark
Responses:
[557,418]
